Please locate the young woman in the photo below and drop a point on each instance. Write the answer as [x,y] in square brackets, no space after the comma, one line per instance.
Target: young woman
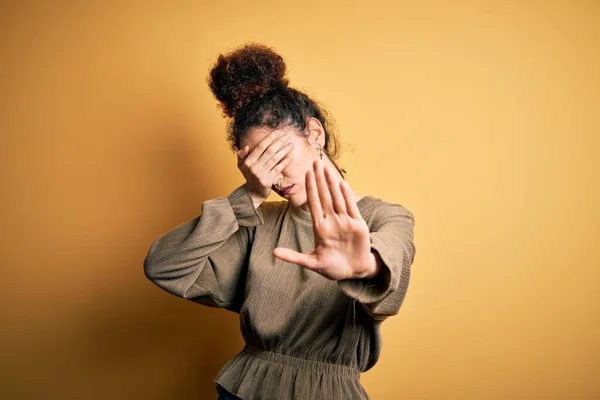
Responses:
[312,277]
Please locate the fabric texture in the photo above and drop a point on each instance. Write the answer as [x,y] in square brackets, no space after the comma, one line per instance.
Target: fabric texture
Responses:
[307,337]
[223,394]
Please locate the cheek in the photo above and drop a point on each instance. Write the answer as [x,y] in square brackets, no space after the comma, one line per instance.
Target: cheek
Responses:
[298,164]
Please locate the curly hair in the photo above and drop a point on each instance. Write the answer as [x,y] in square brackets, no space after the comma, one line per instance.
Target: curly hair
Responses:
[251,86]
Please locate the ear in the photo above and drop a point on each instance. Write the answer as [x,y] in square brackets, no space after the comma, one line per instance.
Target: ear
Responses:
[315,133]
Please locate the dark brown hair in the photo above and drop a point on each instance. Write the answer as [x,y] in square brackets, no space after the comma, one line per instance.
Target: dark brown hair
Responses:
[251,86]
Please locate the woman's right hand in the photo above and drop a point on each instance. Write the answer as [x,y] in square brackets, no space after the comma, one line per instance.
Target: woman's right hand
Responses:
[262,168]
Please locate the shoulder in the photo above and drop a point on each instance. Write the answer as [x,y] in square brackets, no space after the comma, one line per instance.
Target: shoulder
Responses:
[273,209]
[377,211]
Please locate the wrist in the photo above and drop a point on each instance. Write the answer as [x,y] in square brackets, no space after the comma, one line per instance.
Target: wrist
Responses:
[257,200]
[374,265]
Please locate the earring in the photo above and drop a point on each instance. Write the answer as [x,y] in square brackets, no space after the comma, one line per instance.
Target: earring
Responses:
[321,152]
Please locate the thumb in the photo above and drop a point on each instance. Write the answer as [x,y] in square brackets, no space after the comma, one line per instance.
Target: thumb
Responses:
[308,261]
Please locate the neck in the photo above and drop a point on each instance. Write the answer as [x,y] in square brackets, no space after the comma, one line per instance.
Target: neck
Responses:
[327,162]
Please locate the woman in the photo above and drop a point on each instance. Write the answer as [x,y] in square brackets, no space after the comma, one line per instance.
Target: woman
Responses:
[295,269]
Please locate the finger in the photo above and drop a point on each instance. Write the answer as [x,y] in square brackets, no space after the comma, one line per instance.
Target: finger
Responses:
[322,188]
[279,155]
[263,145]
[242,154]
[333,181]
[312,194]
[283,163]
[351,205]
[305,260]
[266,158]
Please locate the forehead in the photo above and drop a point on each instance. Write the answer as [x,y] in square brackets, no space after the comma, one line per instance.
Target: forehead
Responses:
[256,135]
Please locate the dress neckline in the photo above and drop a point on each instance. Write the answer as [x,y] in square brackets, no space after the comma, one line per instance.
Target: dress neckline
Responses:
[306,216]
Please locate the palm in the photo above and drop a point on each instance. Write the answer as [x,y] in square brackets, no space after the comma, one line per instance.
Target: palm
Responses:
[342,246]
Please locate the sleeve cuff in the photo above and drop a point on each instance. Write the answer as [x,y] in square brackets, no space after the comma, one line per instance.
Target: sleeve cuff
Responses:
[374,290]
[243,207]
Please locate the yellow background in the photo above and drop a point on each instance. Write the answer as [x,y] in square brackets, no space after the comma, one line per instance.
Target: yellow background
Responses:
[481,118]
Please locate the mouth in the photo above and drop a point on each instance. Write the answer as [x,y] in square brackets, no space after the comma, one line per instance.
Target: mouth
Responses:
[286,190]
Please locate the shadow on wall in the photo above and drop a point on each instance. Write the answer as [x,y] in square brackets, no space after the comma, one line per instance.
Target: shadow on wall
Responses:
[125,338]
[148,343]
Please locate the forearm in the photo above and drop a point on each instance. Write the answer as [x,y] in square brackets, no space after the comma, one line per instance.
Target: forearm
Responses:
[217,240]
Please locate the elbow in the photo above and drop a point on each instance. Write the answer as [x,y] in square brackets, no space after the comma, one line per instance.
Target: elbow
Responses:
[150,268]
[152,264]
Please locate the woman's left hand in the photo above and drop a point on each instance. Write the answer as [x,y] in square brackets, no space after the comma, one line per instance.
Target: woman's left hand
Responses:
[342,242]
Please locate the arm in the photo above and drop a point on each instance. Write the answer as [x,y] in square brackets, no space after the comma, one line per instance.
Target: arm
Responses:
[204,259]
[392,246]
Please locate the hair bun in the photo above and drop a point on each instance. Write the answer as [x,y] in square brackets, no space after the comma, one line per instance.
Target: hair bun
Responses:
[244,74]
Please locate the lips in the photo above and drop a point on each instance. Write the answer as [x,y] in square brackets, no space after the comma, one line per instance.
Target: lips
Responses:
[286,190]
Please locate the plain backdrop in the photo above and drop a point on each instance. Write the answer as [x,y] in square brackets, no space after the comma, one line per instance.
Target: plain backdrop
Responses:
[480,117]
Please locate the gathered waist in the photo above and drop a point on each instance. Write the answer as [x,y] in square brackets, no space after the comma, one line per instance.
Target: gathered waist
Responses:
[256,373]
[301,363]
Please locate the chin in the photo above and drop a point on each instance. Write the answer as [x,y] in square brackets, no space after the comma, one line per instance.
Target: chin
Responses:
[294,201]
